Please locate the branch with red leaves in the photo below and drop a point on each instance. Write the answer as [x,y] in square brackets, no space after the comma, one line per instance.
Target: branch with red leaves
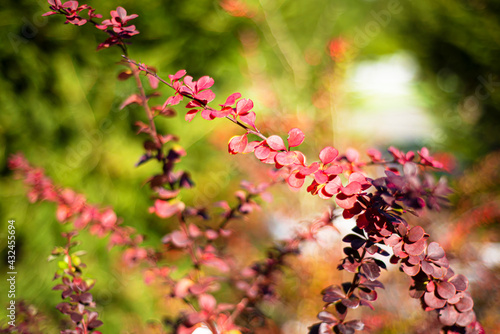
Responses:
[372,202]
[377,205]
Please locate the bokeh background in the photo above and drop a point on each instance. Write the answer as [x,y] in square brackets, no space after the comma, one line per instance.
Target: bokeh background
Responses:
[353,74]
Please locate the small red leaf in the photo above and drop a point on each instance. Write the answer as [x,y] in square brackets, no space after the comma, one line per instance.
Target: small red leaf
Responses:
[204,83]
[371,270]
[465,304]
[446,290]
[460,282]
[207,302]
[448,315]
[295,180]
[435,251]
[351,189]
[286,158]
[244,106]
[328,154]
[295,137]
[134,98]
[238,144]
[180,239]
[345,202]
[262,152]
[416,248]
[432,301]
[249,119]
[231,100]
[415,234]
[275,143]
[466,318]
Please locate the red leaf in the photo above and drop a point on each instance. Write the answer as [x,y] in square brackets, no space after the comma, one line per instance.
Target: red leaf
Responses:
[351,189]
[262,152]
[371,270]
[207,302]
[333,186]
[134,98]
[124,75]
[275,143]
[286,158]
[352,302]
[164,209]
[409,269]
[205,96]
[345,202]
[295,180]
[180,239]
[432,301]
[249,119]
[191,114]
[177,75]
[231,100]
[446,290]
[153,81]
[295,137]
[204,82]
[108,218]
[435,251]
[244,106]
[465,304]
[460,282]
[328,154]
[415,234]
[466,318]
[416,248]
[238,144]
[448,315]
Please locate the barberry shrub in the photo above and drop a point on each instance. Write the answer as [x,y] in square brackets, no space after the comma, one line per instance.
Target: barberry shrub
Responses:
[220,294]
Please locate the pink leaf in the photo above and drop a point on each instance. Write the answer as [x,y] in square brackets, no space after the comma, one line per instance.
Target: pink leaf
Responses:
[231,100]
[345,202]
[295,180]
[153,81]
[416,248]
[180,239]
[191,114]
[295,137]
[164,209]
[134,98]
[333,187]
[351,189]
[446,290]
[204,82]
[275,143]
[432,301]
[249,119]
[262,152]
[237,144]
[286,158]
[328,154]
[415,234]
[206,95]
[244,106]
[122,13]
[207,302]
[172,100]
[108,218]
[177,75]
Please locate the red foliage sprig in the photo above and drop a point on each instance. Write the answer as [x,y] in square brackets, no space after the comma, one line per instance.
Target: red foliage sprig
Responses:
[77,300]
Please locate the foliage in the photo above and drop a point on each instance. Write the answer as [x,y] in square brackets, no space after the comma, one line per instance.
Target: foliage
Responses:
[379,206]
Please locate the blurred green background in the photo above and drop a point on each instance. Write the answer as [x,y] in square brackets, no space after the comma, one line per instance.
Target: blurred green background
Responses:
[349,73]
